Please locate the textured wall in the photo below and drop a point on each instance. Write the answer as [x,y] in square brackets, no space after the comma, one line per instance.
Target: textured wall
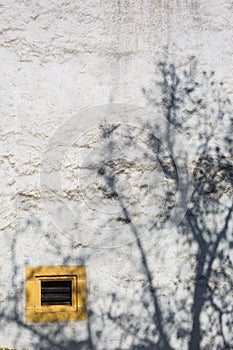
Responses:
[60,57]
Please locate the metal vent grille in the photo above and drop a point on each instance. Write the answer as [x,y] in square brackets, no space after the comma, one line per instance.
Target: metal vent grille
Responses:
[56,292]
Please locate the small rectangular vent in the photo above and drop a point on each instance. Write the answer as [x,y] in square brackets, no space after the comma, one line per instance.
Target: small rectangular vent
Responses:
[56,292]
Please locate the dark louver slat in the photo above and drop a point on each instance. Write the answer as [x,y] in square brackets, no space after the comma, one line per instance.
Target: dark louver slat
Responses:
[55,289]
[56,293]
[56,297]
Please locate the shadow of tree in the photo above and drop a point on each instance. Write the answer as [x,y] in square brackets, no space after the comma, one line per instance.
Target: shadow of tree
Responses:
[207,225]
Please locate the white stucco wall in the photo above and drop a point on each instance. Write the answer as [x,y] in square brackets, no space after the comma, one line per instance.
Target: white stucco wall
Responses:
[61,57]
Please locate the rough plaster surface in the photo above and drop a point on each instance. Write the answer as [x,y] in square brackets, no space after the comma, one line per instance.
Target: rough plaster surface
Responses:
[60,57]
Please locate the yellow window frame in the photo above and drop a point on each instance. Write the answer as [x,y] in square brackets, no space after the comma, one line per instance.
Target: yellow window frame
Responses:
[35,312]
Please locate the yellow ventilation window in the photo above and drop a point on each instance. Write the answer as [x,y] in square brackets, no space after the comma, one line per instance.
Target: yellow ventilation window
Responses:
[55,293]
